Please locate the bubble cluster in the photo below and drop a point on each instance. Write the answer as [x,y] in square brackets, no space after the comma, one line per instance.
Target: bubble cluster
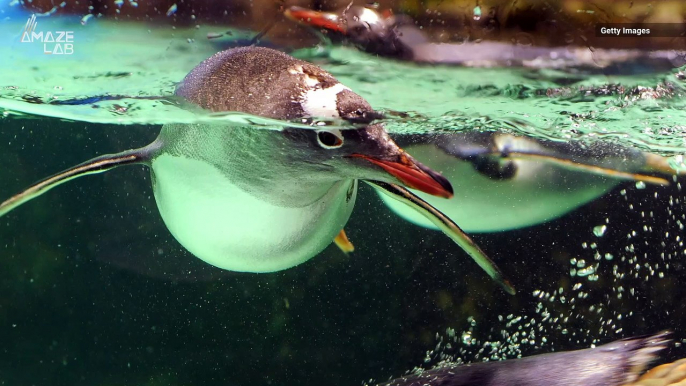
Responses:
[609,287]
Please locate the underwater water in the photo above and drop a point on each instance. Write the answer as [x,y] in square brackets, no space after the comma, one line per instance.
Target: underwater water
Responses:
[96,291]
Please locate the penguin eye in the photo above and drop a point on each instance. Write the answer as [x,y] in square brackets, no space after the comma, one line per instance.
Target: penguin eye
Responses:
[330,139]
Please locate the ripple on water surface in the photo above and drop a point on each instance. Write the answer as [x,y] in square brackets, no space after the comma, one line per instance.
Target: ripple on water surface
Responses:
[125,73]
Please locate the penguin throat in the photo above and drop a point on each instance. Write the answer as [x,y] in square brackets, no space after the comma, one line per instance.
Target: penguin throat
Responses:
[288,191]
[258,162]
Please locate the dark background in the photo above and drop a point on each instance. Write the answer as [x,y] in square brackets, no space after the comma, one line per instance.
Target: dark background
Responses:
[94,291]
[70,315]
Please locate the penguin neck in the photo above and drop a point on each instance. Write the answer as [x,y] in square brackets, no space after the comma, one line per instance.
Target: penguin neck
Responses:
[257,161]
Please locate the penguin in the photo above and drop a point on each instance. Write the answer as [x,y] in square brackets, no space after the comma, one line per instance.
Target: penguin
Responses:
[503,181]
[252,199]
[613,364]
[396,36]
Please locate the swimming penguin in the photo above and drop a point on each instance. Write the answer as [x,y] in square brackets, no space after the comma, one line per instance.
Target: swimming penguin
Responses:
[614,364]
[258,200]
[502,181]
[397,36]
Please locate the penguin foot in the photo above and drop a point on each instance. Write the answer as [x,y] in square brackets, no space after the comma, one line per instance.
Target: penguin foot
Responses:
[343,243]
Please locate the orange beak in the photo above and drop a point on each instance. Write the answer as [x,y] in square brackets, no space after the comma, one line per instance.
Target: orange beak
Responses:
[316,19]
[414,175]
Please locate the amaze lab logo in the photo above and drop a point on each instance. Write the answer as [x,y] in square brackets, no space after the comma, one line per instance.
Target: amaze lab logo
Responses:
[54,42]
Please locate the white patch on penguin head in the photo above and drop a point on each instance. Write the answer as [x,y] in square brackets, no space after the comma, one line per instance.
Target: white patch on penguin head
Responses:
[310,82]
[368,16]
[317,101]
[322,102]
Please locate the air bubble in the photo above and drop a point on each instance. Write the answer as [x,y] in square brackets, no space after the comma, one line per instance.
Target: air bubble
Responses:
[599,231]
[477,13]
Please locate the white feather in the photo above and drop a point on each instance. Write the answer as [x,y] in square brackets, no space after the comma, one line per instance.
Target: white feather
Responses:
[321,102]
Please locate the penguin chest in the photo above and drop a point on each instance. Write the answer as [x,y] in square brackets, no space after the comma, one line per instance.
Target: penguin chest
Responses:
[227,227]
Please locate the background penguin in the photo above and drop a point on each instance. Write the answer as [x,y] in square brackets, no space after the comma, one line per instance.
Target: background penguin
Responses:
[397,36]
[503,182]
[614,364]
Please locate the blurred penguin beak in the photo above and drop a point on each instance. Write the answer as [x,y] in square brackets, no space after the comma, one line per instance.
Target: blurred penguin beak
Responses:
[325,20]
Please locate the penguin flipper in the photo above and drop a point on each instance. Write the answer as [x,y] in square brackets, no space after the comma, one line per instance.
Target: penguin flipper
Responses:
[658,164]
[448,226]
[588,168]
[95,165]
[488,150]
[343,243]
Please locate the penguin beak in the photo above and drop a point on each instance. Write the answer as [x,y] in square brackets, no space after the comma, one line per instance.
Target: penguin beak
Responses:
[413,174]
[325,20]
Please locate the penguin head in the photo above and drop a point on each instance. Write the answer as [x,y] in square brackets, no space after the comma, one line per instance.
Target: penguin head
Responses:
[363,27]
[272,84]
[353,20]
[367,153]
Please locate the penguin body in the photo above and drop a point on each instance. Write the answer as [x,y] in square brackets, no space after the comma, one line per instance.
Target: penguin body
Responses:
[503,182]
[277,216]
[255,230]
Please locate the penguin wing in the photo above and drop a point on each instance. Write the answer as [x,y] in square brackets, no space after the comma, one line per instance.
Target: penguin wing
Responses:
[142,246]
[448,226]
[588,168]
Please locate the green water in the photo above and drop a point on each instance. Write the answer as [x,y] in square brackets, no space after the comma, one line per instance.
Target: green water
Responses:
[146,61]
[95,291]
